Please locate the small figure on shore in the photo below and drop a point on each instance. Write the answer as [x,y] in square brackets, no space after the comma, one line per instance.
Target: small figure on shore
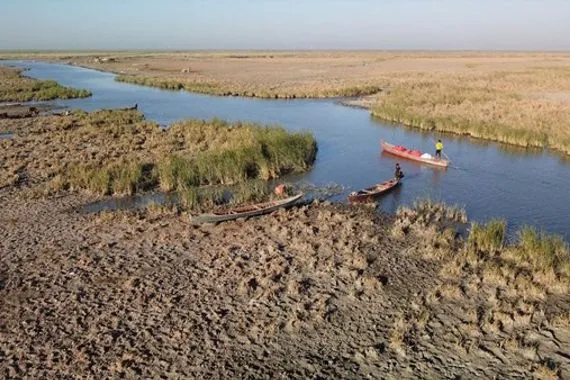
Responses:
[399,174]
[438,148]
[279,189]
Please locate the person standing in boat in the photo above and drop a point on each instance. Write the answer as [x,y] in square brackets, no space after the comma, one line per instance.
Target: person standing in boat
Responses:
[398,173]
[438,148]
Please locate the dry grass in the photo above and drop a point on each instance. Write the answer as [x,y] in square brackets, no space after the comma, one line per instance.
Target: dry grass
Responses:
[204,87]
[397,339]
[495,288]
[15,87]
[544,372]
[516,98]
[503,106]
[562,321]
[118,152]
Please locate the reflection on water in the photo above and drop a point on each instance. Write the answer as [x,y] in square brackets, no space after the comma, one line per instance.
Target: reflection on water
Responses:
[525,186]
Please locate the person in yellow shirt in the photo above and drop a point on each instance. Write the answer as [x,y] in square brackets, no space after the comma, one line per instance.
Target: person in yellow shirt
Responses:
[438,148]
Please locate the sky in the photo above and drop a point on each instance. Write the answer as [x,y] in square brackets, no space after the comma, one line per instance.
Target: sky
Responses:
[285,24]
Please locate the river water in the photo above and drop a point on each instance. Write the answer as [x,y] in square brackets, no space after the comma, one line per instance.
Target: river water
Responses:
[489,179]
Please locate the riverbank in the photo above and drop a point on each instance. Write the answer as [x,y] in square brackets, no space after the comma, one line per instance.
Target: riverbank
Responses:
[321,290]
[15,87]
[514,98]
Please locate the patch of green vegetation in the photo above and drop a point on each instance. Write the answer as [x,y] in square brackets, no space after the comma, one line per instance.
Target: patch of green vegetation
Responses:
[15,87]
[172,84]
[489,237]
[543,251]
[261,152]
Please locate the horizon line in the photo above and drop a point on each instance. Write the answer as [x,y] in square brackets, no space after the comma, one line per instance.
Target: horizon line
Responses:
[150,50]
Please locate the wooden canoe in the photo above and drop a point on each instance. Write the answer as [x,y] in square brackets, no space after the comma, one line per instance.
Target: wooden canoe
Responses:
[368,194]
[245,211]
[407,153]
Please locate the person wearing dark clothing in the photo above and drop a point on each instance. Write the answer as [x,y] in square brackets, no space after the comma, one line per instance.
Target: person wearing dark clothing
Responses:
[399,174]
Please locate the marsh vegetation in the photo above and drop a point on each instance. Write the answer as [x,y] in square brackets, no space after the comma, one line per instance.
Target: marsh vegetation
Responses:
[321,290]
[17,88]
[230,89]
[118,152]
[496,106]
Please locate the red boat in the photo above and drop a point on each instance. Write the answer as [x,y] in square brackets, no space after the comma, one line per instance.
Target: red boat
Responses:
[413,154]
[368,194]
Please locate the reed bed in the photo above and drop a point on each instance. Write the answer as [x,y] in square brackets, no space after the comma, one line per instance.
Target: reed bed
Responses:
[506,106]
[17,88]
[118,152]
[247,90]
[543,251]
[243,151]
[488,237]
[532,249]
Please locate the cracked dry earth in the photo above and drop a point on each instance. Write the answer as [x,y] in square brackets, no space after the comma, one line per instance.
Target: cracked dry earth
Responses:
[318,291]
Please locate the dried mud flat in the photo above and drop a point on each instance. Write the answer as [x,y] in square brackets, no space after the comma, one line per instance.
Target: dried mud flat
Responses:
[319,291]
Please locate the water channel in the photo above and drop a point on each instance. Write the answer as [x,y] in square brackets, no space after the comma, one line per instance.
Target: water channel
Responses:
[488,179]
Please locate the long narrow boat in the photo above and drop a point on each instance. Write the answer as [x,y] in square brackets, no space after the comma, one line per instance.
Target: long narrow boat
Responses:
[368,194]
[245,211]
[411,154]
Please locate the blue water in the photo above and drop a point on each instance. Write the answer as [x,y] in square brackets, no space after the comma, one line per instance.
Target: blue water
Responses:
[489,179]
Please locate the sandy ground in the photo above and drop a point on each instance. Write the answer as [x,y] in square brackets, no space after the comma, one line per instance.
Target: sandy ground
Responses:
[319,291]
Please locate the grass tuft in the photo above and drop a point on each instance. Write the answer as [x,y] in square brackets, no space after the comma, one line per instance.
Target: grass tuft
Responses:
[544,251]
[489,237]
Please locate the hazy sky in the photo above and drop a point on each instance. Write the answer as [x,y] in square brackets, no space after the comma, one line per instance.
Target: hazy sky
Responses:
[285,24]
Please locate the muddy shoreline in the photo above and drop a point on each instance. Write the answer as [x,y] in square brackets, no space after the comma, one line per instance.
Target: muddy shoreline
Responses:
[323,290]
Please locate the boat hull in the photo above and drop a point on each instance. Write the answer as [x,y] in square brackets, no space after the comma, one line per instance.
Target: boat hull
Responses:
[371,193]
[245,211]
[389,148]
